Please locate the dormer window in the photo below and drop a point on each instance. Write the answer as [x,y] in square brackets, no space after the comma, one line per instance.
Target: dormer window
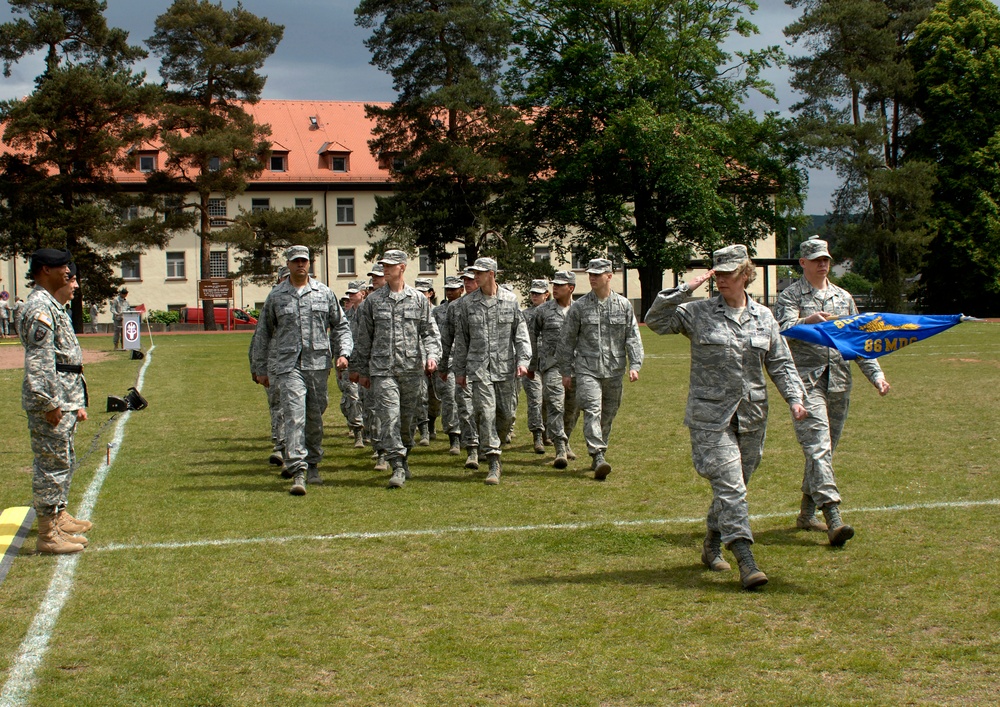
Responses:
[338,163]
[279,162]
[147,163]
[213,164]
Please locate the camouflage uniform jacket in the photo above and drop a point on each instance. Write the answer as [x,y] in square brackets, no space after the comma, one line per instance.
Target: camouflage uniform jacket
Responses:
[491,339]
[441,318]
[795,303]
[728,359]
[118,305]
[545,330]
[597,336]
[47,336]
[396,334]
[308,330]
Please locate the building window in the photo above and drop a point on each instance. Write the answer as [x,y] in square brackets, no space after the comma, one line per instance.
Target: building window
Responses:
[217,213]
[147,163]
[175,266]
[278,162]
[398,163]
[345,261]
[130,266]
[345,211]
[338,163]
[427,265]
[580,259]
[130,213]
[218,263]
[176,307]
[213,164]
[306,204]
[542,255]
[258,205]
[463,259]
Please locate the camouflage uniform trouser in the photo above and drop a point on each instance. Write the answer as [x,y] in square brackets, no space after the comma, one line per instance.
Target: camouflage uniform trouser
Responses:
[304,397]
[277,417]
[494,405]
[55,460]
[466,418]
[397,403]
[430,407]
[534,392]
[598,400]
[561,412]
[445,390]
[350,401]
[818,434]
[370,416]
[728,458]
[117,335]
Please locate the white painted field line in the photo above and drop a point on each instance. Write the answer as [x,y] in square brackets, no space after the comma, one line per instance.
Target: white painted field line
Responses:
[21,678]
[114,547]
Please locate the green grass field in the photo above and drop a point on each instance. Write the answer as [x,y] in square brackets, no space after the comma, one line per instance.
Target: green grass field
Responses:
[206,583]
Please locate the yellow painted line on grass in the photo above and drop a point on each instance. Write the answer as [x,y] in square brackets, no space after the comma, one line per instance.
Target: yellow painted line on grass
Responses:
[10,523]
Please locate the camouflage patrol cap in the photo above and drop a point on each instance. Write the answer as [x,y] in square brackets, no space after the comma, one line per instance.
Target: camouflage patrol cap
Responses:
[282,272]
[814,247]
[393,257]
[452,282]
[484,265]
[468,273]
[598,266]
[539,287]
[297,252]
[355,286]
[506,286]
[729,258]
[423,284]
[376,269]
[564,277]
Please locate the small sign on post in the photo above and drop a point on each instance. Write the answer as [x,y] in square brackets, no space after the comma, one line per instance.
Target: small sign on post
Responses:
[215,288]
[131,330]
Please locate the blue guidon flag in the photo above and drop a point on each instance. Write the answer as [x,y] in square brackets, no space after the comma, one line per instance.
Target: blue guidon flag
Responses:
[873,334]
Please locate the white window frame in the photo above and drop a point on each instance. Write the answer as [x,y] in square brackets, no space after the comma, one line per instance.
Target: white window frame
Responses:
[345,211]
[151,160]
[346,261]
[175,258]
[281,159]
[426,267]
[218,263]
[216,208]
[259,204]
[131,267]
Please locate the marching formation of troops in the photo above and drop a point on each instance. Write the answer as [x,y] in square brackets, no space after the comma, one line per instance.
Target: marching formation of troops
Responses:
[402,363]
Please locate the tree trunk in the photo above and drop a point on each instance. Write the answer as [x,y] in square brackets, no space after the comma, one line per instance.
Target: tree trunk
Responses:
[205,236]
[650,284]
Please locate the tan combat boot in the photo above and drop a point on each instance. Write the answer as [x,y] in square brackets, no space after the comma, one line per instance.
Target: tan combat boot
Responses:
[711,552]
[70,528]
[807,519]
[751,576]
[839,532]
[51,541]
[73,525]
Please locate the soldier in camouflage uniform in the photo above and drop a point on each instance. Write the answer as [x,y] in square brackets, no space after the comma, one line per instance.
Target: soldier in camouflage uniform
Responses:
[119,305]
[350,392]
[54,395]
[444,382]
[546,333]
[827,379]
[368,412]
[309,329]
[491,350]
[273,396]
[463,396]
[534,390]
[600,330]
[733,341]
[430,405]
[397,344]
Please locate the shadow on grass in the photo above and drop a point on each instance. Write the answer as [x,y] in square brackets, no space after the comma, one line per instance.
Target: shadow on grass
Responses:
[686,576]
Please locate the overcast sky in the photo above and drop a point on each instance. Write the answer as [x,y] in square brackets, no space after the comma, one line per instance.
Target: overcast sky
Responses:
[323,57]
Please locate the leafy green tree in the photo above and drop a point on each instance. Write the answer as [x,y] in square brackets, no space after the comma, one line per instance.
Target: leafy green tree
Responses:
[57,184]
[645,148]
[449,136]
[210,62]
[260,238]
[956,56]
[856,115]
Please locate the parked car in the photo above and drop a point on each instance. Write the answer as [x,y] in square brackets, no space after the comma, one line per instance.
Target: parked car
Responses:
[228,318]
